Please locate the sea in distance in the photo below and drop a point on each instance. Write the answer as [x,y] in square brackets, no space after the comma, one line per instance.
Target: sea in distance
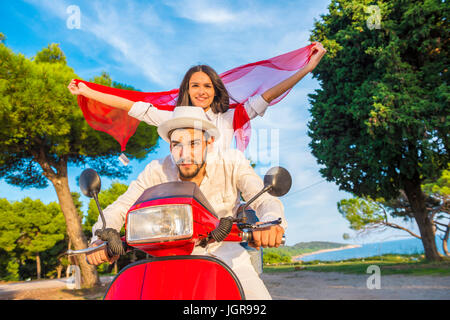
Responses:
[404,246]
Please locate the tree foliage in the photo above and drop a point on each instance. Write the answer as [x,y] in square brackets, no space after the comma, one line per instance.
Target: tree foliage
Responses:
[40,116]
[382,113]
[42,131]
[105,198]
[28,228]
[366,214]
[51,54]
[380,121]
[274,257]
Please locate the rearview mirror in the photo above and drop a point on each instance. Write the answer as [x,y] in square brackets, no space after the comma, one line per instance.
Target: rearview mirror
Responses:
[279,180]
[90,183]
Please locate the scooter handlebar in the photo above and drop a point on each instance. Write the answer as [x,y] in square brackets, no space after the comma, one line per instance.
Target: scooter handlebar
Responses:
[247,236]
[87,250]
[93,249]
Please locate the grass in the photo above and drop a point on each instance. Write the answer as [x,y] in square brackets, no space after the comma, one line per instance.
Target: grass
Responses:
[389,264]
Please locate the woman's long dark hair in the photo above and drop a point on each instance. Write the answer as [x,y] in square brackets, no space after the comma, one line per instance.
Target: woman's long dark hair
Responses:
[221,102]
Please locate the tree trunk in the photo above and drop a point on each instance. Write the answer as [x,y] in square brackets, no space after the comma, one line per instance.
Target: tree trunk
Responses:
[416,199]
[74,229]
[73,220]
[38,266]
[58,271]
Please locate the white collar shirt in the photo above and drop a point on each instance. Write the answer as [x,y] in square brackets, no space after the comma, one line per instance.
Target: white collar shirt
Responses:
[255,106]
[228,175]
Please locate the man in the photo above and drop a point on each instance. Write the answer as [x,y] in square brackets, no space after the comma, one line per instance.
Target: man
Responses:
[221,176]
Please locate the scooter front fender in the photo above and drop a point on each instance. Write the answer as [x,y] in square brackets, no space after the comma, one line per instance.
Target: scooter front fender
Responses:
[176,278]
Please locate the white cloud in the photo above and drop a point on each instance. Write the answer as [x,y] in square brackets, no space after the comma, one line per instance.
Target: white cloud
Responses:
[195,12]
[228,14]
[131,32]
[137,38]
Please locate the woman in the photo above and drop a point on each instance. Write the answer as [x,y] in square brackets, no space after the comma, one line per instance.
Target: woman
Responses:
[203,87]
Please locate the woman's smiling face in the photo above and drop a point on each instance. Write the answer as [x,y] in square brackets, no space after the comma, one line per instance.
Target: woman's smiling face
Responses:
[201,90]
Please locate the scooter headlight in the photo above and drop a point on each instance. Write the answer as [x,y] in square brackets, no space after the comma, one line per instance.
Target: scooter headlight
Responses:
[160,223]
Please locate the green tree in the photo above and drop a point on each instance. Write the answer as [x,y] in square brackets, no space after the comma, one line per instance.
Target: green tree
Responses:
[43,130]
[440,191]
[380,121]
[274,257]
[42,227]
[51,54]
[28,228]
[9,233]
[366,214]
[105,198]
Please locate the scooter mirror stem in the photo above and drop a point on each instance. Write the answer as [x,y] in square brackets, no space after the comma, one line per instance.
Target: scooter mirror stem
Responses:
[265,189]
[94,194]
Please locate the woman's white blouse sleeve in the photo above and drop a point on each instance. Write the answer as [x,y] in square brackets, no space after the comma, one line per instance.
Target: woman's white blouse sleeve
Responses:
[256,106]
[146,112]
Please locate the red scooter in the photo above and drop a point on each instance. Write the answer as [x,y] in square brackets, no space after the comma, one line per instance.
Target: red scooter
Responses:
[167,222]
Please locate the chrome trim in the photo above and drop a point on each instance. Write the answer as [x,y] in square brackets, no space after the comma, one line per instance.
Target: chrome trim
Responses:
[86,250]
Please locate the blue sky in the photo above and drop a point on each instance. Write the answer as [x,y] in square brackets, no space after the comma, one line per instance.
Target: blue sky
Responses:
[151,44]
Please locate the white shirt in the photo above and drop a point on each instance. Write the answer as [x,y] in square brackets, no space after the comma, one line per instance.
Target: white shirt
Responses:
[254,106]
[228,174]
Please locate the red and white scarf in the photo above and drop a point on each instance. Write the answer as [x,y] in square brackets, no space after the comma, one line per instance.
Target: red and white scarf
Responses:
[241,82]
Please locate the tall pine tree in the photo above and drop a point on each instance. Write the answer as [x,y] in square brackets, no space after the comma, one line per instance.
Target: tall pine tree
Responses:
[42,131]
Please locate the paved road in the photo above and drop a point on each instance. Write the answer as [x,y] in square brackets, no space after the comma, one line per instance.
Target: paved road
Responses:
[336,286]
[311,285]
[41,284]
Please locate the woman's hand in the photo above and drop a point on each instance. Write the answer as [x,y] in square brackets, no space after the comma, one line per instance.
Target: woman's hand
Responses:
[76,90]
[317,53]
[108,99]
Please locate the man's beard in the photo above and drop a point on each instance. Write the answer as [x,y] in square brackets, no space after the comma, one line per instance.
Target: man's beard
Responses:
[199,167]
[193,174]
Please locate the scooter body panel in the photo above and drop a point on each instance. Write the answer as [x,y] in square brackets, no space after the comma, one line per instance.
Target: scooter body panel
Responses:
[176,278]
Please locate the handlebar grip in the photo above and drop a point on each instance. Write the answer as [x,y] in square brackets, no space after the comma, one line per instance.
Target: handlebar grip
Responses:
[247,236]
[115,245]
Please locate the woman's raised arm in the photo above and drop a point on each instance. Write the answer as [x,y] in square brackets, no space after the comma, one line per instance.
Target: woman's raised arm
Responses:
[317,52]
[108,99]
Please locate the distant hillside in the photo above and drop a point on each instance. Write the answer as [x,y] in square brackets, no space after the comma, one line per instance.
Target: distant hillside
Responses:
[303,247]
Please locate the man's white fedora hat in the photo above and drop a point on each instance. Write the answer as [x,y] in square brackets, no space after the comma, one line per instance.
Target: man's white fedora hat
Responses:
[188,117]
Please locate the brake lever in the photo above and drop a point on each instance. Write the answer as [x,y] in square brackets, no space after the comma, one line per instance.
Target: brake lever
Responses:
[263,225]
[84,251]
